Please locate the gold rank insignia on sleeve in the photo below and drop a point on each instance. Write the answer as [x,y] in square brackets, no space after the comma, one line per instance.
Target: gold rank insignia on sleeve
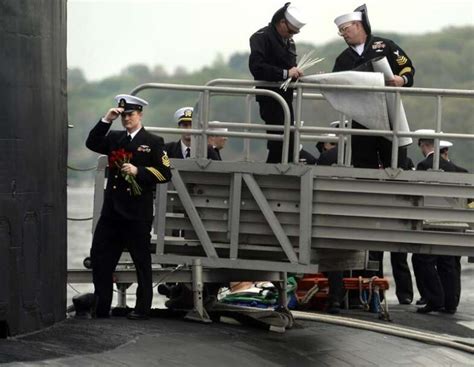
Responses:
[156,173]
[405,70]
[165,160]
[401,60]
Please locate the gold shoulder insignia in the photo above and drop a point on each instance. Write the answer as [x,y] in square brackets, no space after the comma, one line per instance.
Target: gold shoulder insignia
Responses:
[401,60]
[165,160]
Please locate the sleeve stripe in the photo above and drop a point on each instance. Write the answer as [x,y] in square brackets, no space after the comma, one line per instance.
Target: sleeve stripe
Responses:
[405,70]
[156,173]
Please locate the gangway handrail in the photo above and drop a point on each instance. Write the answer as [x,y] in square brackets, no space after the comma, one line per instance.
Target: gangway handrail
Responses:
[228,90]
[297,128]
[462,93]
[299,86]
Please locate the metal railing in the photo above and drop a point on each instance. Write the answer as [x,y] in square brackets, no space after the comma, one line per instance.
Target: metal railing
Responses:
[394,133]
[205,101]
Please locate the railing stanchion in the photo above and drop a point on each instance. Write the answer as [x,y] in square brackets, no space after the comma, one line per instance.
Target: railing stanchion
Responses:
[439,113]
[248,119]
[296,141]
[395,126]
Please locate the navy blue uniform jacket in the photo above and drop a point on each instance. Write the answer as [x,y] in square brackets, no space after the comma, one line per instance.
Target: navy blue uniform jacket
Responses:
[375,47]
[148,155]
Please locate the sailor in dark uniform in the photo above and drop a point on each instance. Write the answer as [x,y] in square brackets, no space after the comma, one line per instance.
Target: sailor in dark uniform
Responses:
[444,146]
[273,58]
[216,141]
[328,157]
[374,151]
[137,162]
[181,149]
[306,157]
[370,151]
[436,274]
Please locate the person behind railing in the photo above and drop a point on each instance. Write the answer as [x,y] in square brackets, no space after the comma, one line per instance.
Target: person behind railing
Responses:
[273,58]
[181,149]
[370,151]
[437,275]
[216,141]
[305,156]
[328,157]
[137,162]
[444,146]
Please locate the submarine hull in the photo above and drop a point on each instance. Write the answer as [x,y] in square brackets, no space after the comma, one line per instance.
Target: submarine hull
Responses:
[33,159]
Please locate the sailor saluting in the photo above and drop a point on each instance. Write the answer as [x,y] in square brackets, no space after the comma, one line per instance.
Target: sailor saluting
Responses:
[137,162]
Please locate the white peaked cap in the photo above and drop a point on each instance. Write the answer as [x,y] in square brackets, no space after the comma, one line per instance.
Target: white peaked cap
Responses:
[130,103]
[349,17]
[337,123]
[445,144]
[213,130]
[183,114]
[131,99]
[425,131]
[295,17]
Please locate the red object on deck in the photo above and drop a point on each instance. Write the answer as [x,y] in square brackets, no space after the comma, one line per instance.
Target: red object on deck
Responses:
[313,282]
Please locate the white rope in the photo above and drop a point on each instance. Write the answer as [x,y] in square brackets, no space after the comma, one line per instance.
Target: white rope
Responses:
[386,329]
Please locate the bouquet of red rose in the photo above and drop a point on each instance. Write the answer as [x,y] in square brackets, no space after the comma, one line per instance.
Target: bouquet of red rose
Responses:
[116,159]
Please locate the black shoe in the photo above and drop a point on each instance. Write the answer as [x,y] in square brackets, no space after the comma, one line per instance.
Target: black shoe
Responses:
[428,309]
[421,302]
[450,311]
[405,301]
[137,316]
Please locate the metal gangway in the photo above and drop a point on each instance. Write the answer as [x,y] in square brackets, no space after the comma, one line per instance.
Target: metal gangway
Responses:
[255,221]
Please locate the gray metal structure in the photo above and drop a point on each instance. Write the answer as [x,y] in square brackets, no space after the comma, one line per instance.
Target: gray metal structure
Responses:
[296,218]
[33,146]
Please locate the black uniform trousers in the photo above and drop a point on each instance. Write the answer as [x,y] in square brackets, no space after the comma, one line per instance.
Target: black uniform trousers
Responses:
[111,236]
[457,267]
[272,113]
[402,276]
[438,279]
[376,152]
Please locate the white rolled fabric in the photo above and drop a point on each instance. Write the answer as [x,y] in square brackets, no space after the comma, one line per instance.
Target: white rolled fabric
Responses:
[381,65]
[370,109]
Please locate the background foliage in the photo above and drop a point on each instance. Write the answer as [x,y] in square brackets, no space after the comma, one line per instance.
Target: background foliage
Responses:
[442,60]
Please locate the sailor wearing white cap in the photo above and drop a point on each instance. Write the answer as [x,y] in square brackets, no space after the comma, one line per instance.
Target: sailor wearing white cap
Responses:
[354,27]
[217,141]
[181,149]
[437,277]
[444,146]
[427,148]
[137,162]
[328,155]
[426,145]
[273,58]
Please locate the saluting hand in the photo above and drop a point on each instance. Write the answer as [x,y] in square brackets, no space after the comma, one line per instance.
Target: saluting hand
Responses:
[129,169]
[113,113]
